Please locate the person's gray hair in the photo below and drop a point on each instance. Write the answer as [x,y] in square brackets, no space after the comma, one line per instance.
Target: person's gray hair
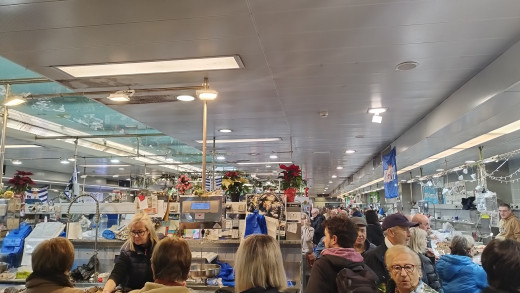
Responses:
[461,244]
[315,210]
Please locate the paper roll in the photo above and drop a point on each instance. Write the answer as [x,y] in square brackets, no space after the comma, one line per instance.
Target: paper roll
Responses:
[74,231]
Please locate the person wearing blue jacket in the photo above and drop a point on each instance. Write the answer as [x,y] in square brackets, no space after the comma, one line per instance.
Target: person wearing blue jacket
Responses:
[457,271]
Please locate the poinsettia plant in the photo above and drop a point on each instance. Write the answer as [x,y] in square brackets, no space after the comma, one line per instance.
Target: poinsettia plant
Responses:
[234,182]
[292,176]
[20,182]
[183,184]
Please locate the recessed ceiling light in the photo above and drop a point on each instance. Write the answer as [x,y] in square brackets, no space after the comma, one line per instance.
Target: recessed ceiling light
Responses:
[339,168]
[221,158]
[121,169]
[169,159]
[439,170]
[350,151]
[185,98]
[273,157]
[268,166]
[330,182]
[64,161]
[162,66]
[417,176]
[238,140]
[334,176]
[114,160]
[71,159]
[407,65]
[225,130]
[128,178]
[470,162]
[115,176]
[16,162]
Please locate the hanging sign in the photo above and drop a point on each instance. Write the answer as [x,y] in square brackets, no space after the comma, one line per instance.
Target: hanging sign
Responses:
[390,175]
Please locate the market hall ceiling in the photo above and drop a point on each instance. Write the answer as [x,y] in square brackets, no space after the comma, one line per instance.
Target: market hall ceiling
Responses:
[300,58]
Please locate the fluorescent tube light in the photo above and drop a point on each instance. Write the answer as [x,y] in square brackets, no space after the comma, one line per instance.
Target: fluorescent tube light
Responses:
[21,146]
[242,140]
[131,68]
[262,163]
[16,162]
[102,165]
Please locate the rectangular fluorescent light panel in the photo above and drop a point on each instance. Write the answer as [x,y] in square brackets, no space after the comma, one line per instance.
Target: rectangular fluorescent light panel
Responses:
[102,165]
[180,65]
[262,163]
[21,146]
[268,139]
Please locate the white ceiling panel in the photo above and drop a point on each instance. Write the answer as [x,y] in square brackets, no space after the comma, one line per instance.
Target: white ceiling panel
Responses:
[300,58]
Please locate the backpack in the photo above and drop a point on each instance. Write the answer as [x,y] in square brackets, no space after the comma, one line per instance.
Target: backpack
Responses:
[356,277]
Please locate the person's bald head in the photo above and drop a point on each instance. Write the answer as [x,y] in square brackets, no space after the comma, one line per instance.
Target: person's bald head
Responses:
[424,222]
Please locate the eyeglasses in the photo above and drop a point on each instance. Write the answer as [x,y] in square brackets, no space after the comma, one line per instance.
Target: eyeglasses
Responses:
[136,233]
[396,269]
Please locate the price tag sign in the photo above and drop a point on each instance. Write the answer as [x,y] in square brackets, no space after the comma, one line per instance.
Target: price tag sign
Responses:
[199,216]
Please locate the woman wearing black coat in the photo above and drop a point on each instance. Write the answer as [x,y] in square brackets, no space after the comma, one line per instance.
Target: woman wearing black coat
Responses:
[374,231]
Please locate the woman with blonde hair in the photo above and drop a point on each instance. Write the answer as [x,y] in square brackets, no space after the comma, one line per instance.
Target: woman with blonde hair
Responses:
[133,267]
[51,262]
[418,240]
[171,261]
[259,266]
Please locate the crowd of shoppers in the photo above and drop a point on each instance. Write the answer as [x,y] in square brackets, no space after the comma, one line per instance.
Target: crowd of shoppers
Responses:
[398,264]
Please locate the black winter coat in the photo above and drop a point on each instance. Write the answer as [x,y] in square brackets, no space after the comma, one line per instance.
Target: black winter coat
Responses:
[375,234]
[133,268]
[319,231]
[323,274]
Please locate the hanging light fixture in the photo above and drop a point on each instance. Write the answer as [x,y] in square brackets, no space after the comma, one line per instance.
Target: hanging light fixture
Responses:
[206,94]
[377,118]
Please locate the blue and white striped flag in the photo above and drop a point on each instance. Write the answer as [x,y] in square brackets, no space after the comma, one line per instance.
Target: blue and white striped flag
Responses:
[218,183]
[72,189]
[38,193]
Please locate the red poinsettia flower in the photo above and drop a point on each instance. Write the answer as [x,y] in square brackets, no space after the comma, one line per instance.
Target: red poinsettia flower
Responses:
[21,181]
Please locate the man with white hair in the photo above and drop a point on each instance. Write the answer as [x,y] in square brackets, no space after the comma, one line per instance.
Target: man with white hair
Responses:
[316,221]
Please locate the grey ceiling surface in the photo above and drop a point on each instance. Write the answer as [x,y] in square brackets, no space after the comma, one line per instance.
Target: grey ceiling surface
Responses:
[300,58]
